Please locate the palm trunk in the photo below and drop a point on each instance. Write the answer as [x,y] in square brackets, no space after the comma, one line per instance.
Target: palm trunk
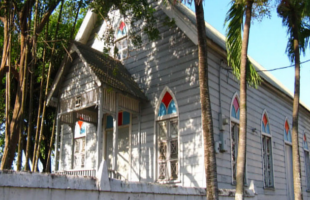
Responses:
[241,158]
[295,143]
[207,124]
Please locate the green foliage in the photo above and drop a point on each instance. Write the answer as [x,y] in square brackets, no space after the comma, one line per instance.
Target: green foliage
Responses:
[300,9]
[61,45]
[138,13]
[234,18]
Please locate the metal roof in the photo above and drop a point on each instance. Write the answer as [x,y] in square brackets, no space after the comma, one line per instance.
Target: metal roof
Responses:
[109,71]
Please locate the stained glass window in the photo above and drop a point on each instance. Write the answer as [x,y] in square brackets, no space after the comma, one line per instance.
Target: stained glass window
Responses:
[123,119]
[305,143]
[267,152]
[265,124]
[167,105]
[167,134]
[307,160]
[234,125]
[121,41]
[235,110]
[287,132]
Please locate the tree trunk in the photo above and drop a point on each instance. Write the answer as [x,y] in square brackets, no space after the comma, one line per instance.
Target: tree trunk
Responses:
[295,143]
[241,158]
[10,145]
[48,160]
[32,66]
[207,124]
[36,154]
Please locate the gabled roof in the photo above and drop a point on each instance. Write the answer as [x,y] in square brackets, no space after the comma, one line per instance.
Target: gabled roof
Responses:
[110,71]
[106,70]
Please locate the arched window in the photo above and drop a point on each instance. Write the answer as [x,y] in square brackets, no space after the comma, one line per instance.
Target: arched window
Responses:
[234,133]
[167,138]
[235,108]
[121,40]
[288,159]
[267,151]
[287,132]
[307,161]
[167,105]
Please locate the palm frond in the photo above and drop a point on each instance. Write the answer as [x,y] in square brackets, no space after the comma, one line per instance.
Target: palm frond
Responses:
[300,10]
[234,18]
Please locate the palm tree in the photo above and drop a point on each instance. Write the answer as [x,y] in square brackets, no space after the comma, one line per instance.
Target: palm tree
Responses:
[237,48]
[295,15]
[207,124]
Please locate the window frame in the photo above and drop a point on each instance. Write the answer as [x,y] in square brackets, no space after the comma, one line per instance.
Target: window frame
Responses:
[234,120]
[307,169]
[76,138]
[118,39]
[167,117]
[269,135]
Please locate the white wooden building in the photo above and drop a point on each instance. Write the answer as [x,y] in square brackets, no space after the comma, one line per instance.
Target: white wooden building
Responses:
[142,115]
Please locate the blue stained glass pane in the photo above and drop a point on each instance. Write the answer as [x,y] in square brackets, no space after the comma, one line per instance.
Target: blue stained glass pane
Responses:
[126,118]
[171,108]
[162,110]
[267,129]
[263,128]
[289,136]
[83,129]
[121,33]
[285,136]
[109,121]
[305,145]
[233,112]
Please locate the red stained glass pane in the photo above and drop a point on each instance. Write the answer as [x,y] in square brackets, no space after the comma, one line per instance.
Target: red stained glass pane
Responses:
[122,25]
[236,104]
[286,127]
[80,124]
[120,118]
[305,138]
[166,99]
[265,121]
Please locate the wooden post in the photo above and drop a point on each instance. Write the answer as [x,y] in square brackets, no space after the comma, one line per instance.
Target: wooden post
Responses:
[56,142]
[99,128]
[61,146]
[115,134]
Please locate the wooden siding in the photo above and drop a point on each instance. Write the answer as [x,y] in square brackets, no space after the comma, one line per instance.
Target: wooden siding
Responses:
[66,145]
[172,61]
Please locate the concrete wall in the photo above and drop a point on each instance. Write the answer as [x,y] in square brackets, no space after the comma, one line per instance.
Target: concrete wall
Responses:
[36,186]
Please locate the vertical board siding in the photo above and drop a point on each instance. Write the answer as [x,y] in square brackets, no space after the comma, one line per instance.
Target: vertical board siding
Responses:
[78,80]
[66,155]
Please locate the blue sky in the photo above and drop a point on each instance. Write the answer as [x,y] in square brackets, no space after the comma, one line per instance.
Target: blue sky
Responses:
[267,45]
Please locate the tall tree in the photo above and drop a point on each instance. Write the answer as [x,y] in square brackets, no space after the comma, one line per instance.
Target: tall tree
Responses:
[237,57]
[206,115]
[296,17]
[22,9]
